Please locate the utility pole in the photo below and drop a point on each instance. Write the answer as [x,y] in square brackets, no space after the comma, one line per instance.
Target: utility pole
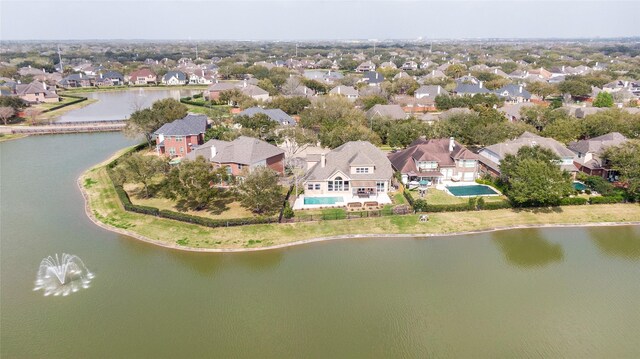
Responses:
[60,61]
[296,50]
[196,50]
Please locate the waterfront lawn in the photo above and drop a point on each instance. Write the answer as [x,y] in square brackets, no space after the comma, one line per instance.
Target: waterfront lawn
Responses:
[48,105]
[105,206]
[212,112]
[436,196]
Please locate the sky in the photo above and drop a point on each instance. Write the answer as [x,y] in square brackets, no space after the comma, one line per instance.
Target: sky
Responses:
[314,19]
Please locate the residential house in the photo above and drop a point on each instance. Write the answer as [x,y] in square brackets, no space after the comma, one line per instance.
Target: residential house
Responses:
[514,93]
[429,91]
[346,91]
[174,78]
[113,77]
[178,138]
[36,92]
[373,78]
[366,67]
[77,80]
[274,114]
[213,91]
[241,156]
[409,66]
[435,161]
[589,154]
[434,75]
[402,75]
[388,65]
[393,112]
[491,156]
[254,92]
[470,89]
[142,77]
[201,77]
[357,171]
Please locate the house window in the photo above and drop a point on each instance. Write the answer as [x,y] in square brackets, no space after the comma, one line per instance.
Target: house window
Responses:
[469,163]
[240,166]
[310,186]
[178,138]
[172,151]
[181,149]
[229,170]
[362,169]
[317,186]
[338,184]
[380,186]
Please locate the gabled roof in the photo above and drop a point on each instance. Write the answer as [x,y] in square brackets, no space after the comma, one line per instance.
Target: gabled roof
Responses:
[189,125]
[529,139]
[373,77]
[513,90]
[392,111]
[463,88]
[112,75]
[221,86]
[142,73]
[344,90]
[434,150]
[353,153]
[430,90]
[275,114]
[181,76]
[253,90]
[243,150]
[598,144]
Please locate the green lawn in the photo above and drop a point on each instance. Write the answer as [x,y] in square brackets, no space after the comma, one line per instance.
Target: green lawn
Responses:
[436,196]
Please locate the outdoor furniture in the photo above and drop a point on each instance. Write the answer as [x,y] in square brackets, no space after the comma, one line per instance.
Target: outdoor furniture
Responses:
[424,218]
[371,204]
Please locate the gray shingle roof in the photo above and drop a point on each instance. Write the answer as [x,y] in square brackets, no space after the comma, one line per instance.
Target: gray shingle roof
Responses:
[512,90]
[243,150]
[463,88]
[597,144]
[392,111]
[275,114]
[181,76]
[353,153]
[189,125]
[529,139]
[344,90]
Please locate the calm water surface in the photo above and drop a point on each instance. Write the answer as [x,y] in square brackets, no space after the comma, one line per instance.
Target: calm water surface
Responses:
[571,293]
[118,105]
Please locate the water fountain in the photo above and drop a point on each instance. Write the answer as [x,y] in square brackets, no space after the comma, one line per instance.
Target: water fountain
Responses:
[62,275]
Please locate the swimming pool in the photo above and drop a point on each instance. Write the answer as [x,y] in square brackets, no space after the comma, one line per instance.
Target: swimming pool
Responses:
[471,190]
[579,186]
[323,200]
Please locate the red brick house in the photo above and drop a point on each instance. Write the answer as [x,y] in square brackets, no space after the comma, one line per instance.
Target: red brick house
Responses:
[241,155]
[178,138]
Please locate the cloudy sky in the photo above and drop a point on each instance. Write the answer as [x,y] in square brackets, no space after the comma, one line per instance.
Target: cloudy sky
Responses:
[314,19]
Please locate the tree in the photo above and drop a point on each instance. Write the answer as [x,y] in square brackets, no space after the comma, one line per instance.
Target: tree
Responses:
[147,121]
[372,100]
[6,113]
[32,114]
[12,101]
[575,88]
[603,99]
[260,192]
[290,105]
[141,168]
[534,177]
[564,129]
[455,71]
[626,160]
[259,123]
[195,185]
[542,89]
[295,140]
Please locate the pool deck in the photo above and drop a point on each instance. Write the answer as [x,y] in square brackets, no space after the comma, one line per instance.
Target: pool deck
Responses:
[381,198]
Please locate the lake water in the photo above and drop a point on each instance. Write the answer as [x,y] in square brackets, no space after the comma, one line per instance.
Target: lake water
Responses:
[118,105]
[570,293]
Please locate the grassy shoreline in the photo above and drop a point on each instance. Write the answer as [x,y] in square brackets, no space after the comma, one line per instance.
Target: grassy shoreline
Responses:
[104,209]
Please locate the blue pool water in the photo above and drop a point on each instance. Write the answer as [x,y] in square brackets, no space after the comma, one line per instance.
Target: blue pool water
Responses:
[322,200]
[579,186]
[471,190]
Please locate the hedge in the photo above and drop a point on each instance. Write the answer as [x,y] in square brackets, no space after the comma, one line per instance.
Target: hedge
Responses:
[606,199]
[573,201]
[208,222]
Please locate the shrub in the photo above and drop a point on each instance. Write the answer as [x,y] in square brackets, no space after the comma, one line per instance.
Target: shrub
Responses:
[606,199]
[480,203]
[208,222]
[420,205]
[573,201]
[288,211]
[198,95]
[472,203]
[497,205]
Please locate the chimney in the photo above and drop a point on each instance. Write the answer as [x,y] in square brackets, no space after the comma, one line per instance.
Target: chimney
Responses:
[480,84]
[43,71]
[439,89]
[323,160]
[339,92]
[520,88]
[452,144]
[562,68]
[213,151]
[44,85]
[495,71]
[433,72]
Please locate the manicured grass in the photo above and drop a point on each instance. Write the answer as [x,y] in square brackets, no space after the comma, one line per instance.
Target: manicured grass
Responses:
[105,206]
[398,198]
[46,106]
[11,136]
[436,196]
[213,112]
[56,113]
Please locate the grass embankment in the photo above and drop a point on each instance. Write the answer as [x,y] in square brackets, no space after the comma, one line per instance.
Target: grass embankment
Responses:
[11,136]
[435,196]
[48,116]
[104,206]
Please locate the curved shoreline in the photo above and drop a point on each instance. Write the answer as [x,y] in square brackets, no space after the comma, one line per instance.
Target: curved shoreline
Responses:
[142,238]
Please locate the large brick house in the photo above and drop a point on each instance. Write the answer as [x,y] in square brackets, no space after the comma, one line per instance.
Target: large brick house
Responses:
[241,155]
[589,154]
[434,161]
[36,92]
[178,138]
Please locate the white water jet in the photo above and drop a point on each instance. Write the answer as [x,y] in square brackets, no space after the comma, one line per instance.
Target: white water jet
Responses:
[62,275]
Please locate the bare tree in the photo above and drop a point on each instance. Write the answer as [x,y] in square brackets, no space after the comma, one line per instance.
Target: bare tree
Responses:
[6,113]
[32,113]
[295,140]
